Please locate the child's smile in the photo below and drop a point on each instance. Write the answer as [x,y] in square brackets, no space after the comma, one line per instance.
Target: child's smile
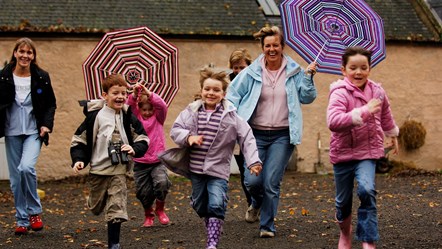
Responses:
[116,97]
[212,93]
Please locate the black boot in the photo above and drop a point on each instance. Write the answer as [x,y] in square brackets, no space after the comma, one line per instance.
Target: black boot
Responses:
[113,234]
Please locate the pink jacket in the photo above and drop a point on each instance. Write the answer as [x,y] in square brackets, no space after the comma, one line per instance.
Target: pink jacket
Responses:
[355,133]
[153,127]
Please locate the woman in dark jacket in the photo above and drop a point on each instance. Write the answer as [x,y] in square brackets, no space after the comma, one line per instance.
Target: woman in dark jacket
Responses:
[27,109]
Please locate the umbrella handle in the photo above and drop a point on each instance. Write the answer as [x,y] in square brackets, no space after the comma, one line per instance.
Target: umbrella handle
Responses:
[317,56]
[320,51]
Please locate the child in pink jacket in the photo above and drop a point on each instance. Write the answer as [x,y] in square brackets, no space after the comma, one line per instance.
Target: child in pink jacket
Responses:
[151,179]
[359,117]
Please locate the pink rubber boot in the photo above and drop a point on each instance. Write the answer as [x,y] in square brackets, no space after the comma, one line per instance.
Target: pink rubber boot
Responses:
[159,211]
[148,217]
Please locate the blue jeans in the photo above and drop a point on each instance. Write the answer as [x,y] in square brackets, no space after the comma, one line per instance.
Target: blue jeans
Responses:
[274,151]
[364,172]
[209,195]
[22,153]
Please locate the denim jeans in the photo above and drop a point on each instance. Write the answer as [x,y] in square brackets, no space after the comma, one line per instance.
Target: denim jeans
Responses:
[274,151]
[364,172]
[22,153]
[209,195]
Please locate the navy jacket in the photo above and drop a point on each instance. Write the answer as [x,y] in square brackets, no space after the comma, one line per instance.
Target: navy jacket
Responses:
[42,94]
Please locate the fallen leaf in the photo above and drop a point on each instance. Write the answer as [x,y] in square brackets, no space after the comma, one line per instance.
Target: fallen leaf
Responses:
[292,211]
[304,212]
[433,204]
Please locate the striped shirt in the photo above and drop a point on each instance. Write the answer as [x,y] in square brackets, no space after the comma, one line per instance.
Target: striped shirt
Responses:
[208,125]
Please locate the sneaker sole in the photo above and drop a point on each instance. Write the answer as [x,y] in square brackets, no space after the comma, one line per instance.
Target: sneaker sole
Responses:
[266,235]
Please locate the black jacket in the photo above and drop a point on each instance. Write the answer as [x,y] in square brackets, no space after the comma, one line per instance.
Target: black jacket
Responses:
[42,94]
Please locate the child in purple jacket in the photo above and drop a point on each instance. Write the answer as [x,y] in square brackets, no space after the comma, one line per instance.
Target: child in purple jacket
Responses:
[208,129]
[151,179]
[359,117]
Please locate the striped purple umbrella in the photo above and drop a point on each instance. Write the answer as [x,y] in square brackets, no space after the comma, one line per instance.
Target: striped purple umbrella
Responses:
[320,30]
[140,55]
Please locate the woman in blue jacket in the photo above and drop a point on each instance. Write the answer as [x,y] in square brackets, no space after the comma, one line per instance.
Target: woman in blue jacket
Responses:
[27,109]
[268,94]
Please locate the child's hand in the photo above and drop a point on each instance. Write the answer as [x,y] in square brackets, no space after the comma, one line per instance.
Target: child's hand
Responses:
[374,106]
[78,166]
[256,169]
[145,90]
[391,142]
[128,149]
[136,91]
[198,140]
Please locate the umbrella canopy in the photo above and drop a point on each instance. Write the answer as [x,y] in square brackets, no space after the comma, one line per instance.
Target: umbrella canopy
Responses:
[320,30]
[138,54]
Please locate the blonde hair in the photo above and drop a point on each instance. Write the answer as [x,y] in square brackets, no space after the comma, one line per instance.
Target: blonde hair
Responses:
[208,72]
[238,55]
[269,31]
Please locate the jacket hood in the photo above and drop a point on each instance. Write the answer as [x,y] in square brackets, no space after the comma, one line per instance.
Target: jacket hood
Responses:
[345,83]
[340,83]
[376,89]
[195,105]
[255,69]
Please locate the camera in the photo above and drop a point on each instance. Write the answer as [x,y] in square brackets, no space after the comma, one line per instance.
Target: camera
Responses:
[115,153]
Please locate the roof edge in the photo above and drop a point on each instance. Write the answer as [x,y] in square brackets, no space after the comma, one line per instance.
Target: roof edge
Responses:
[424,12]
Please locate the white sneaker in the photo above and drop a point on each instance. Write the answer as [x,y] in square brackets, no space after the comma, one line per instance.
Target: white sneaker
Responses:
[252,214]
[266,234]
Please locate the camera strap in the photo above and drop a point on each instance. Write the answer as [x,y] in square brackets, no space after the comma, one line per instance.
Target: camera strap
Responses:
[119,126]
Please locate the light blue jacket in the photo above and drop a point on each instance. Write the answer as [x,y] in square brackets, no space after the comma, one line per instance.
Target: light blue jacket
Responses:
[245,89]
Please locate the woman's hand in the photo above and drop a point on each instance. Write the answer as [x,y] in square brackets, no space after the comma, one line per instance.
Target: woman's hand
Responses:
[43,131]
[256,169]
[311,68]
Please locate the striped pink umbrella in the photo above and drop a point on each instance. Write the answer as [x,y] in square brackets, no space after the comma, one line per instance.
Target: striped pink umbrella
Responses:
[140,55]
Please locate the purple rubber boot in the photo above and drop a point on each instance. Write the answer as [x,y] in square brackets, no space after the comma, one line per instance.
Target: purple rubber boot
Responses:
[214,229]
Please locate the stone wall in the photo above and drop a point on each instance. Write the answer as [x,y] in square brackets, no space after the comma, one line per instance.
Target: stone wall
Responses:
[410,75]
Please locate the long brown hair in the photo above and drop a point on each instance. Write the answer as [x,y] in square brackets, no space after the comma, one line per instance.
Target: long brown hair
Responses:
[19,43]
